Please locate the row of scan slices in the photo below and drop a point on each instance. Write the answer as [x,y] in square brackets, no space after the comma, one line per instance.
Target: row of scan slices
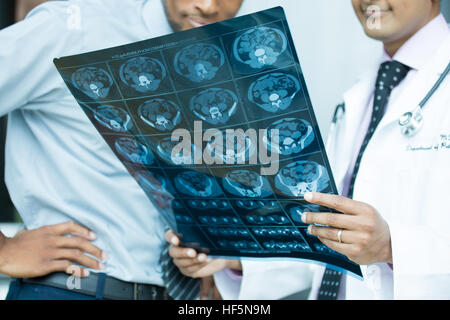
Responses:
[188,66]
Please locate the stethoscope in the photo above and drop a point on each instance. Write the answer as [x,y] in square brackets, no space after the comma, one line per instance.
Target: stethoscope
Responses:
[411,122]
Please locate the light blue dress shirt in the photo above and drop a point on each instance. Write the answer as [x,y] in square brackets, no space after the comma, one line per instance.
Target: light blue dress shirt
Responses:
[58,168]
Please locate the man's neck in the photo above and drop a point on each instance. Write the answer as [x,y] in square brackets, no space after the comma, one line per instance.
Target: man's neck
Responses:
[391,47]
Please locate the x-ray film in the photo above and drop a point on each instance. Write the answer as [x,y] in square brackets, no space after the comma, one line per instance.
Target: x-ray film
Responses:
[216,126]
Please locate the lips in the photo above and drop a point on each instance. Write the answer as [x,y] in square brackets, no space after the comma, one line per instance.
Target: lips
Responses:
[371,10]
[197,21]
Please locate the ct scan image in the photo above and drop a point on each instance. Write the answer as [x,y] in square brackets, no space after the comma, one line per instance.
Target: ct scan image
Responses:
[198,64]
[297,178]
[165,150]
[133,151]
[113,118]
[143,74]
[259,48]
[216,126]
[140,76]
[294,136]
[246,183]
[274,92]
[214,105]
[95,82]
[197,184]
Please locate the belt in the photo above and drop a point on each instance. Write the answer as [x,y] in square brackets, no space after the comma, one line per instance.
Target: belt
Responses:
[113,289]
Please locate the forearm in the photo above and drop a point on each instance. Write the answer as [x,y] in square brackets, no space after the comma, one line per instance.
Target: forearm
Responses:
[234,264]
[2,245]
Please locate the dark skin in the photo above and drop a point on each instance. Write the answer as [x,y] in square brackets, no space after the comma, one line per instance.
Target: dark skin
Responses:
[38,252]
[187,14]
[33,253]
[365,235]
[184,15]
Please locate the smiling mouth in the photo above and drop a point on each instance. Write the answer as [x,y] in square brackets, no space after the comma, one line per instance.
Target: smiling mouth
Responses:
[373,10]
[197,22]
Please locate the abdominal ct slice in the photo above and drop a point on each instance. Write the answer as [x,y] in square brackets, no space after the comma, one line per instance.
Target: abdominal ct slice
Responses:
[165,150]
[214,105]
[94,82]
[274,92]
[113,118]
[199,62]
[143,74]
[134,151]
[196,184]
[246,183]
[297,178]
[294,135]
[160,114]
[259,47]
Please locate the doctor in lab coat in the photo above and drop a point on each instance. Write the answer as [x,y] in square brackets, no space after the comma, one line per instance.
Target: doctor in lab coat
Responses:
[401,239]
[396,224]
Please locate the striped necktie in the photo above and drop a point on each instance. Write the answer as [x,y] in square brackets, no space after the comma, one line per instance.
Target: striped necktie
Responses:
[179,286]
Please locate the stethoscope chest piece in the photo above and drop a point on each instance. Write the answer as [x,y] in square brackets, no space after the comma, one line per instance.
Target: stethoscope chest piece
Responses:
[411,122]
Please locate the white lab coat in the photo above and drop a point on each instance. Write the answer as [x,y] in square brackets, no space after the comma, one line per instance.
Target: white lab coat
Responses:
[266,280]
[407,179]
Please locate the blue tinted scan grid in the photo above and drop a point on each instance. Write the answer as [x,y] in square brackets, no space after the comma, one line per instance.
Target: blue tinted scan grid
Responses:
[243,73]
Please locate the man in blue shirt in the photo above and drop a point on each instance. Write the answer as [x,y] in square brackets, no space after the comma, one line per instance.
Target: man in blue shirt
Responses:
[62,177]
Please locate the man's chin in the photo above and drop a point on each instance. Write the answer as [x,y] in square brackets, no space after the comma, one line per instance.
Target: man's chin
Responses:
[380,33]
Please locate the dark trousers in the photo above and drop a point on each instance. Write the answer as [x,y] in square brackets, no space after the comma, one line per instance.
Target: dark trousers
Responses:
[19,290]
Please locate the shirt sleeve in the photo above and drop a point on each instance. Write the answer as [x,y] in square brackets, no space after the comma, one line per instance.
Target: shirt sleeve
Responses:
[26,57]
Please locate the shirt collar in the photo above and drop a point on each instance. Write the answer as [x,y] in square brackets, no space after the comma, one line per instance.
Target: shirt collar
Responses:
[419,49]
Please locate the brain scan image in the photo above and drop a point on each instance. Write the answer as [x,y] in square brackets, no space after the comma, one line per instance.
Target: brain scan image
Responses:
[294,136]
[246,183]
[214,105]
[165,147]
[142,74]
[134,151]
[160,114]
[199,62]
[113,118]
[299,177]
[274,92]
[197,184]
[243,148]
[259,47]
[94,82]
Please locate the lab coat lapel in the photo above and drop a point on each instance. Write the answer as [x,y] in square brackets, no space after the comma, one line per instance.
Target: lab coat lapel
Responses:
[420,86]
[356,101]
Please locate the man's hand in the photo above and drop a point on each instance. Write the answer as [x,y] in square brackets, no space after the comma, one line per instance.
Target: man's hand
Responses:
[34,253]
[193,264]
[365,236]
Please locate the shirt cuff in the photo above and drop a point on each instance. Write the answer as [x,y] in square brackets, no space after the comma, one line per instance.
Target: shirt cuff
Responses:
[234,274]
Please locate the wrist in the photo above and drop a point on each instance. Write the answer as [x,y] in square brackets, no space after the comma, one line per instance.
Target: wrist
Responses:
[3,239]
[234,264]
